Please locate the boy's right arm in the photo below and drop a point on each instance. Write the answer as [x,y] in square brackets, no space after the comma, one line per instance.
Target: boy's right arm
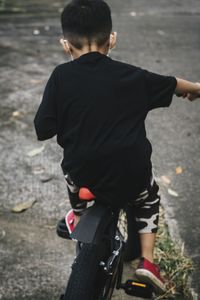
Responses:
[187,89]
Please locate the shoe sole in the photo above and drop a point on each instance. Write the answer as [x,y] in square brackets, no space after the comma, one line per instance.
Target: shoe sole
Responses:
[62,230]
[147,277]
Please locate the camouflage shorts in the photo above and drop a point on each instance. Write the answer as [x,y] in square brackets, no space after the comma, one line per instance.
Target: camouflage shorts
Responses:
[145,206]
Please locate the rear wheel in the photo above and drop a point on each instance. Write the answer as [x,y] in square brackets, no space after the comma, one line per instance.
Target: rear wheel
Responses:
[88,281]
[81,284]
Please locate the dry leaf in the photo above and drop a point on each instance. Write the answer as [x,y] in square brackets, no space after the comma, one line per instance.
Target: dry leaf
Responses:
[160,32]
[36,81]
[36,31]
[165,179]
[133,14]
[38,170]
[46,177]
[16,113]
[35,151]
[179,170]
[172,193]
[23,206]
[2,235]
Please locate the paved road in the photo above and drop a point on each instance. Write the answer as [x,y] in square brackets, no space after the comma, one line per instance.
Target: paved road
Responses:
[153,34]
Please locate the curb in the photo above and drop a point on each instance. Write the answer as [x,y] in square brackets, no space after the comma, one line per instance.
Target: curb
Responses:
[175,235]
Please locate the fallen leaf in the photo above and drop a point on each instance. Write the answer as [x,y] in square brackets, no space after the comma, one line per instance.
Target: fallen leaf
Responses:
[36,81]
[20,207]
[133,14]
[172,193]
[46,177]
[2,235]
[35,151]
[16,113]
[165,179]
[179,170]
[38,170]
[183,249]
[36,31]
[160,32]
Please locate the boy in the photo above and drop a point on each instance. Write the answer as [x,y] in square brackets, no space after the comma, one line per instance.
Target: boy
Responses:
[97,107]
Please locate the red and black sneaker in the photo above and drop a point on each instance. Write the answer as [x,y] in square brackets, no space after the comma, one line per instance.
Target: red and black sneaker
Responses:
[148,272]
[66,225]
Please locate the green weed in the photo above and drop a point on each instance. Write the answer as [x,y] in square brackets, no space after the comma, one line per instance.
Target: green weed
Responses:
[175,265]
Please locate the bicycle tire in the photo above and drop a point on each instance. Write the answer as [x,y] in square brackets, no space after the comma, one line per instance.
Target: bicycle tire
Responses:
[85,282]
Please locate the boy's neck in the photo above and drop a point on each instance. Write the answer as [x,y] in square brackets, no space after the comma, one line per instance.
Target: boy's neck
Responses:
[76,53]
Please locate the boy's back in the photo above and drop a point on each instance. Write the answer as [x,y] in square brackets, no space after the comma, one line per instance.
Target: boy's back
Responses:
[98,107]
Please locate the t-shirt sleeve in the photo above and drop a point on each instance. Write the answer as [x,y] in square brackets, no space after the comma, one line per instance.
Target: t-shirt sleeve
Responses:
[160,89]
[45,120]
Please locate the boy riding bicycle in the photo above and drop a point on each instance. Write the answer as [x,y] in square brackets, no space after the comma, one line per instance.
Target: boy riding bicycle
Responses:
[97,108]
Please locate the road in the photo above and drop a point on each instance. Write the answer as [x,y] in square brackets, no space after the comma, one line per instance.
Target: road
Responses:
[158,35]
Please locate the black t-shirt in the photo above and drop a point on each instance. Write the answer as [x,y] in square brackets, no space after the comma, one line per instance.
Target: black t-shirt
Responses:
[97,107]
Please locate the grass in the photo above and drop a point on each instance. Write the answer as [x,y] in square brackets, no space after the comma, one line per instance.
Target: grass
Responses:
[176,267]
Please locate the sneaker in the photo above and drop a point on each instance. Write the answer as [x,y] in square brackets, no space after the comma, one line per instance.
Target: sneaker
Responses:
[149,273]
[69,220]
[62,230]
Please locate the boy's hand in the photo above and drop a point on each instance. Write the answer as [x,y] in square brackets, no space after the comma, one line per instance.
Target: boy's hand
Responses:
[187,89]
[193,96]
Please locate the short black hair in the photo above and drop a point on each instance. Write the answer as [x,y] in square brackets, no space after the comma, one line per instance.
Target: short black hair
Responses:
[86,19]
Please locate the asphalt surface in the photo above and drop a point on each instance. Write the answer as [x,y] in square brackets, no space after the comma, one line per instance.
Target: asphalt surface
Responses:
[158,35]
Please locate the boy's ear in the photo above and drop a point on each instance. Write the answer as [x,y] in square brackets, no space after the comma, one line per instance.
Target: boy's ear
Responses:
[65,45]
[113,39]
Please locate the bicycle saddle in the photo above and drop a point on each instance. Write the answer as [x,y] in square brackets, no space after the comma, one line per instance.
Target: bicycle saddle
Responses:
[86,194]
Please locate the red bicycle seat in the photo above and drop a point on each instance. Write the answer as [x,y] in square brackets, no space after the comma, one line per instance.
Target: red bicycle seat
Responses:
[86,194]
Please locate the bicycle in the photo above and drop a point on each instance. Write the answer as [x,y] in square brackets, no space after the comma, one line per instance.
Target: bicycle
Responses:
[103,243]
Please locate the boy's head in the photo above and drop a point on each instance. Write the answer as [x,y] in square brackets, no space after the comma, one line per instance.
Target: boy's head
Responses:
[87,22]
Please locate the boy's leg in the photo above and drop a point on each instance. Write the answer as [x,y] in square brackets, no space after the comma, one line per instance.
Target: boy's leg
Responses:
[147,215]
[147,241]
[146,208]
